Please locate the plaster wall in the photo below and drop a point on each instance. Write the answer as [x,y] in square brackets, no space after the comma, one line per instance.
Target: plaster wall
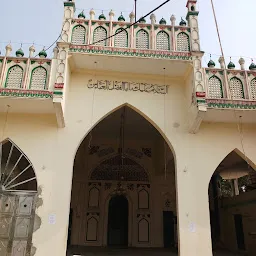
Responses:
[52,152]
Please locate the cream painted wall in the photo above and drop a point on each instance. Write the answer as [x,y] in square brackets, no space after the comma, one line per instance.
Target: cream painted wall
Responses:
[52,152]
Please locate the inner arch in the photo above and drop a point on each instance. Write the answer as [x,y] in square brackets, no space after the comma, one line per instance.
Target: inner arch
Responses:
[124,155]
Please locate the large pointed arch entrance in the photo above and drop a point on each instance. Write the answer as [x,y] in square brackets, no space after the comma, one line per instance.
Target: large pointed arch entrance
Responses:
[18,190]
[124,187]
[232,197]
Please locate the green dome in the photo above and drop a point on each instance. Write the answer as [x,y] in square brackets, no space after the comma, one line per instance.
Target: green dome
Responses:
[162,21]
[231,65]
[121,18]
[102,17]
[252,66]
[183,22]
[142,20]
[42,54]
[81,15]
[19,53]
[211,64]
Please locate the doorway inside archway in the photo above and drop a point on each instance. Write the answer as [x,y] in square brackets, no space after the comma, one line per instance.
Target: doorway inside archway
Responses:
[118,221]
[124,156]
[232,195]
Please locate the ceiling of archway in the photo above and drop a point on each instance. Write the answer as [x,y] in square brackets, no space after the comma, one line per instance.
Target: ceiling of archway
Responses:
[136,126]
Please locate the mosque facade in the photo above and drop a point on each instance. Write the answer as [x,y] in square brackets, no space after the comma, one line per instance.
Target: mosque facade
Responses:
[124,140]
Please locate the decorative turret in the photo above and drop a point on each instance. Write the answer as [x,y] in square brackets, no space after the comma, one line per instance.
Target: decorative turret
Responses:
[173,19]
[111,15]
[183,22]
[42,54]
[222,62]
[81,15]
[231,65]
[8,49]
[132,17]
[92,14]
[121,18]
[31,51]
[252,66]
[211,64]
[153,18]
[242,62]
[19,53]
[142,20]
[102,17]
[162,21]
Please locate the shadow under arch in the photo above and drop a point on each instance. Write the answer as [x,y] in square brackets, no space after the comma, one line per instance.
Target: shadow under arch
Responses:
[250,163]
[162,141]
[161,132]
[17,168]
[147,176]
[227,189]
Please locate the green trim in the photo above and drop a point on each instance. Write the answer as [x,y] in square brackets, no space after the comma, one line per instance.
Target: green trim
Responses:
[163,32]
[221,87]
[31,76]
[33,62]
[201,101]
[240,82]
[147,37]
[107,24]
[72,4]
[1,60]
[8,61]
[57,93]
[25,93]
[105,42]
[73,32]
[6,80]
[230,105]
[135,26]
[136,53]
[94,22]
[126,37]
[148,27]
[192,14]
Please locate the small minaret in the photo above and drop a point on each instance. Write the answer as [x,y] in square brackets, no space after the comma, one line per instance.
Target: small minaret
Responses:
[242,62]
[111,15]
[153,18]
[192,18]
[8,49]
[92,14]
[132,17]
[173,19]
[69,13]
[31,51]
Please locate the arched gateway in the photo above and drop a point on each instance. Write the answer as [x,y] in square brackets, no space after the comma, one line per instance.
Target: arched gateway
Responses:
[123,191]
[18,188]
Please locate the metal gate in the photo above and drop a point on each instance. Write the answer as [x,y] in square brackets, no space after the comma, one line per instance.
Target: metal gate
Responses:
[18,190]
[17,211]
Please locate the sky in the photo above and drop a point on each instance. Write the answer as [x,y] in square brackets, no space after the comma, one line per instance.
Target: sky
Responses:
[40,21]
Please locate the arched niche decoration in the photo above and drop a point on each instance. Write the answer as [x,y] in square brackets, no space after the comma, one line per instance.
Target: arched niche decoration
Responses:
[143,197]
[110,169]
[121,38]
[14,77]
[94,197]
[38,78]
[92,229]
[18,190]
[143,230]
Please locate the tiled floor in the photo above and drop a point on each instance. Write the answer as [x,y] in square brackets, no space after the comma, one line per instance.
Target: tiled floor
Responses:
[92,251]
